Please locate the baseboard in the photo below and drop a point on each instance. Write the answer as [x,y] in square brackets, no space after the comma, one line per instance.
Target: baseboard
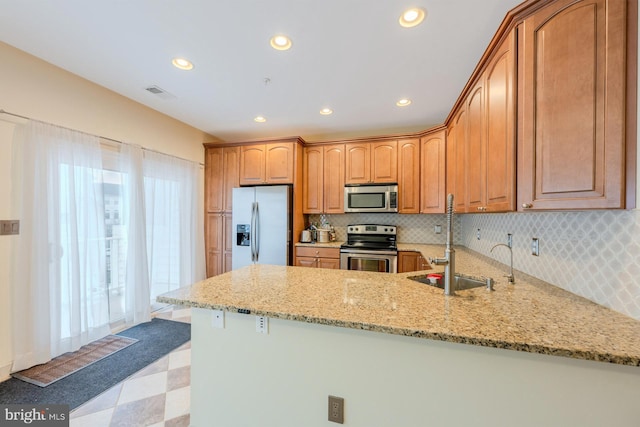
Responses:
[5,372]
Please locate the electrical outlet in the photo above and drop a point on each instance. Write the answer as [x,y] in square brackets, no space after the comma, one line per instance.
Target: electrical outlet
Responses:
[262,324]
[437,229]
[535,247]
[336,409]
[217,319]
[510,240]
[478,234]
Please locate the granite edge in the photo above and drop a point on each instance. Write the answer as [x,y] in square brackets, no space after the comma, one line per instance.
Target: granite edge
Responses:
[455,338]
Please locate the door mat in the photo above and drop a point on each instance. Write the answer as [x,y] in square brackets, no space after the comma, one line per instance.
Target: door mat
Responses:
[68,363]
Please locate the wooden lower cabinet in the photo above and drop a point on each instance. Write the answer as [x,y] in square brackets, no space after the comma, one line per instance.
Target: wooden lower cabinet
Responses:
[411,261]
[218,242]
[318,257]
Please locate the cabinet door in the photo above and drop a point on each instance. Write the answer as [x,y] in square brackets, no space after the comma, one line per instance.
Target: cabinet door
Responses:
[214,178]
[332,263]
[456,167]
[358,163]
[333,164]
[571,106]
[475,154]
[432,176]
[500,142]
[384,162]
[312,180]
[307,262]
[214,229]
[279,163]
[227,226]
[407,261]
[231,163]
[409,176]
[252,164]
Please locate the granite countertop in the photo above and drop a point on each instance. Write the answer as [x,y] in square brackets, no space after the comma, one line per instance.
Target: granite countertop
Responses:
[530,316]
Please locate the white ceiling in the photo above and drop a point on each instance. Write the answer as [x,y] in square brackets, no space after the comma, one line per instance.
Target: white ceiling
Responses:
[349,55]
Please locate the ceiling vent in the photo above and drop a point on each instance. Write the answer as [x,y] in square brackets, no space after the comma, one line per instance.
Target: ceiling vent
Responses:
[159,92]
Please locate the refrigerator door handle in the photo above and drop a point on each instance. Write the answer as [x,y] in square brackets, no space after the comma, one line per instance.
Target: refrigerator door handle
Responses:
[257,232]
[252,236]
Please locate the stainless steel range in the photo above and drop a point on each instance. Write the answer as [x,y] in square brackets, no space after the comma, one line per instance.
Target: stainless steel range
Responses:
[370,247]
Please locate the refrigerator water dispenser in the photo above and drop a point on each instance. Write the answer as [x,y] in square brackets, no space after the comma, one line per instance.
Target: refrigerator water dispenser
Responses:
[243,235]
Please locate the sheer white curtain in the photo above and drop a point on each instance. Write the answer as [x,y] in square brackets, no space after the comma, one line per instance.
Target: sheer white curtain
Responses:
[59,300]
[64,277]
[175,243]
[136,296]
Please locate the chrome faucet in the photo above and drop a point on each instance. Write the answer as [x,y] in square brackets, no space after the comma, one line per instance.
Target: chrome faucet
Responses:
[510,276]
[449,260]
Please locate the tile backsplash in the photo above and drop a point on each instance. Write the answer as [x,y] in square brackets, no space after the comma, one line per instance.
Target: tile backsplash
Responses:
[594,254]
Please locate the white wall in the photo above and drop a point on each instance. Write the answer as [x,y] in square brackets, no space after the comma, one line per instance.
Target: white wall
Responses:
[36,89]
[284,378]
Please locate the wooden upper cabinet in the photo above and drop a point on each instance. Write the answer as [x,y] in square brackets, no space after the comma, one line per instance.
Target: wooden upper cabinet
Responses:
[266,164]
[433,173]
[221,176]
[333,172]
[358,163]
[456,160]
[252,164]
[214,179]
[571,106]
[384,162]
[231,180]
[279,163]
[475,155]
[409,176]
[371,162]
[323,179]
[312,180]
[500,143]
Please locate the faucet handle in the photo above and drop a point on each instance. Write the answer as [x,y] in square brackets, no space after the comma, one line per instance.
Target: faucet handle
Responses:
[438,261]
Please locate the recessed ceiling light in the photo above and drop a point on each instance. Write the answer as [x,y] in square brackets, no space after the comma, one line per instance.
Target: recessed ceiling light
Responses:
[403,102]
[326,111]
[411,17]
[280,42]
[260,119]
[183,64]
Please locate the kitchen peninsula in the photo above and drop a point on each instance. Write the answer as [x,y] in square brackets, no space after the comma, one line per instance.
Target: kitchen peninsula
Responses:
[402,353]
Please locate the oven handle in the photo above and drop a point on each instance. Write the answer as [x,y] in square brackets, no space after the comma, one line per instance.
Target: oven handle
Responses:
[366,252]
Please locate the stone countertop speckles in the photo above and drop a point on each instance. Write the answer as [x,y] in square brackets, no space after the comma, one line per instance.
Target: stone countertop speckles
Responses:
[530,316]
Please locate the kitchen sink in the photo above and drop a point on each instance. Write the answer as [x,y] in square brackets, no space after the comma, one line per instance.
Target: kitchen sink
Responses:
[462,282]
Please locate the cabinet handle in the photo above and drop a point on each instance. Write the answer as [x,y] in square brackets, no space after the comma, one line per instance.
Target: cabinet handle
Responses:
[482,208]
[527,205]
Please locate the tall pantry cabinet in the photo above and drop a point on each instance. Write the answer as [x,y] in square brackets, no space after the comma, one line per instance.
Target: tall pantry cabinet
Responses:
[221,176]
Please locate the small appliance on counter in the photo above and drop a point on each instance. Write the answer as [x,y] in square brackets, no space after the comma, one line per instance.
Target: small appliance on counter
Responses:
[370,247]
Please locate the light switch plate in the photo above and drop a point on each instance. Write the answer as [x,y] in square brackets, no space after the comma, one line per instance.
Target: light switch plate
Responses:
[8,227]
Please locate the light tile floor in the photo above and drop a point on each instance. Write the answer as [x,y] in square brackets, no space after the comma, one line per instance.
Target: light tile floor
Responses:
[158,395]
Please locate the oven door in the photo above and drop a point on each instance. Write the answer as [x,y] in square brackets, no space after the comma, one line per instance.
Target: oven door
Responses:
[381,261]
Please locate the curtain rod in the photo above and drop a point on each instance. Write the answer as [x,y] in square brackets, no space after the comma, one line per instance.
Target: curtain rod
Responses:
[91,134]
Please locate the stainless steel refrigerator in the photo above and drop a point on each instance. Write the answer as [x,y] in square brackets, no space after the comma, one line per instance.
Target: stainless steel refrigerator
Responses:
[262,225]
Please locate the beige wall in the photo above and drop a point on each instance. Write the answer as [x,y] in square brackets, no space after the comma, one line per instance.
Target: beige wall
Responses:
[36,89]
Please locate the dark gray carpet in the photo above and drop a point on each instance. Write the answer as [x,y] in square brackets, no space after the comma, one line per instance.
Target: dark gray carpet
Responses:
[155,339]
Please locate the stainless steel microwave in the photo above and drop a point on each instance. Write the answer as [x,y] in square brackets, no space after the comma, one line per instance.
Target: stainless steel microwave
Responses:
[371,198]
